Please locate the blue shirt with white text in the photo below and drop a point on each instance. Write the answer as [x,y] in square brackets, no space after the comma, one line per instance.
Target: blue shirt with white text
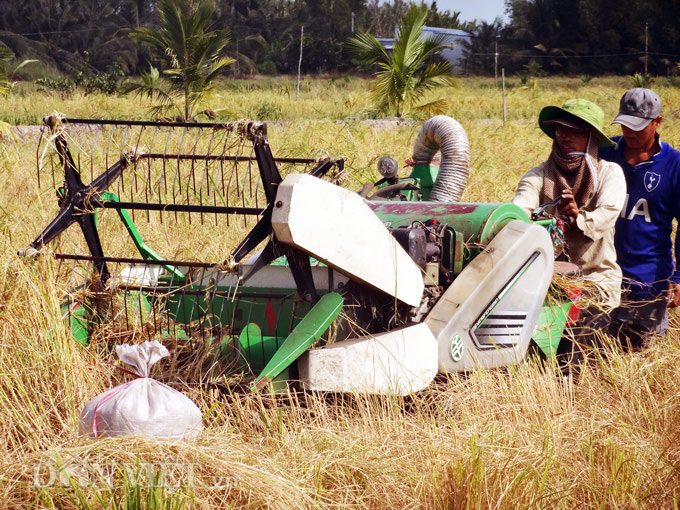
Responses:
[643,230]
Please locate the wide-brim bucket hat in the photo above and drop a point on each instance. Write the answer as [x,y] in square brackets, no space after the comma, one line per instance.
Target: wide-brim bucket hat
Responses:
[580,111]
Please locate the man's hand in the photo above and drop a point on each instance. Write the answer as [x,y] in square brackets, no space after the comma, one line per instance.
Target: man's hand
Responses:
[673,295]
[567,207]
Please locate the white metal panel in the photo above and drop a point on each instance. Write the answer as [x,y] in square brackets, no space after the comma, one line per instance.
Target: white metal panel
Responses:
[397,363]
[488,314]
[337,227]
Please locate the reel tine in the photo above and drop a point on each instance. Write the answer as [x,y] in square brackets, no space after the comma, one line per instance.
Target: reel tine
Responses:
[178,176]
[126,299]
[210,305]
[162,181]
[79,136]
[93,150]
[239,195]
[106,152]
[54,182]
[135,176]
[38,161]
[165,172]
[218,172]
[210,166]
[221,174]
[197,307]
[146,175]
[258,181]
[206,174]
[193,176]
[154,304]
[140,306]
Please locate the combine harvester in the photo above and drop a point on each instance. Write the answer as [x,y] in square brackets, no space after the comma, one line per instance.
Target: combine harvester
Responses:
[336,289]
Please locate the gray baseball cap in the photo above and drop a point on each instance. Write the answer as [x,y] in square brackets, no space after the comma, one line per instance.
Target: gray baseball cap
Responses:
[638,108]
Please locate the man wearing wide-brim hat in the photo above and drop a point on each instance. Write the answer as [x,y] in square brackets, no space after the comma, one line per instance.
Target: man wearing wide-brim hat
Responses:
[644,229]
[591,193]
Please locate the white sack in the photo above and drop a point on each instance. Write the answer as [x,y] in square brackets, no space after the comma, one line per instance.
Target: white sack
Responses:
[143,406]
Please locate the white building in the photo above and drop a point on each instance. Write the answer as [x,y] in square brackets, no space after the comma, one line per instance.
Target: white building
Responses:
[453,37]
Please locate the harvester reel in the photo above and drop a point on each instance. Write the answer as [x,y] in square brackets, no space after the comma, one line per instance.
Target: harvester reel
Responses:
[77,201]
[77,205]
[298,261]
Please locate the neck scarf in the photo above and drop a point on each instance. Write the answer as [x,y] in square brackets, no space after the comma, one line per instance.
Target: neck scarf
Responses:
[577,171]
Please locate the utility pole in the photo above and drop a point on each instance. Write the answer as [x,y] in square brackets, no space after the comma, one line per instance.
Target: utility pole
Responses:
[646,27]
[505,116]
[297,91]
[236,69]
[352,21]
[495,63]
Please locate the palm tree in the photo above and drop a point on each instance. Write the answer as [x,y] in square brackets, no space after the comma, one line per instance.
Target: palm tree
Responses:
[5,56]
[7,71]
[410,71]
[191,55]
[5,86]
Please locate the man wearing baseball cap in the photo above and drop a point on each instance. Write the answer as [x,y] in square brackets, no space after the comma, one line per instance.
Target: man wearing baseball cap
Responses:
[651,281]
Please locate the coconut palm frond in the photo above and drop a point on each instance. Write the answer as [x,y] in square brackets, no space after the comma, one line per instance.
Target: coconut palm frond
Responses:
[407,45]
[432,46]
[151,88]
[367,49]
[403,77]
[6,131]
[5,53]
[436,107]
[190,54]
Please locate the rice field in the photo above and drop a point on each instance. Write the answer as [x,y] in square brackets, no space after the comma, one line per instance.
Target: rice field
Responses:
[516,438]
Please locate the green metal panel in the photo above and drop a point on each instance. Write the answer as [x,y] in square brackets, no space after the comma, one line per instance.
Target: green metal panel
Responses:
[498,218]
[76,315]
[425,175]
[276,314]
[477,223]
[308,331]
[550,327]
[255,350]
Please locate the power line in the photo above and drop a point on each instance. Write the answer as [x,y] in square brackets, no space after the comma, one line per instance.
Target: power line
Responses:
[5,33]
[520,55]
[515,55]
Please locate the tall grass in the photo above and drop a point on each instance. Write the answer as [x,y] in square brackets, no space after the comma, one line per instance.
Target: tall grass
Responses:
[515,438]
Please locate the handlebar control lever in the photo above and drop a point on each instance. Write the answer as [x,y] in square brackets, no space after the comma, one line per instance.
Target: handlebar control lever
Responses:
[541,208]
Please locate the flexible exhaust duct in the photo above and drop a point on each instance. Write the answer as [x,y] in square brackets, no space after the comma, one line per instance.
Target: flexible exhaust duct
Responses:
[445,134]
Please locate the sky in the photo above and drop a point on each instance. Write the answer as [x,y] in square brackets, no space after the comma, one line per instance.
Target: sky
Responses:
[482,10]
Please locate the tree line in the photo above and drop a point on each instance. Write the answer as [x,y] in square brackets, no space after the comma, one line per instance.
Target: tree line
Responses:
[85,37]
[580,37]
